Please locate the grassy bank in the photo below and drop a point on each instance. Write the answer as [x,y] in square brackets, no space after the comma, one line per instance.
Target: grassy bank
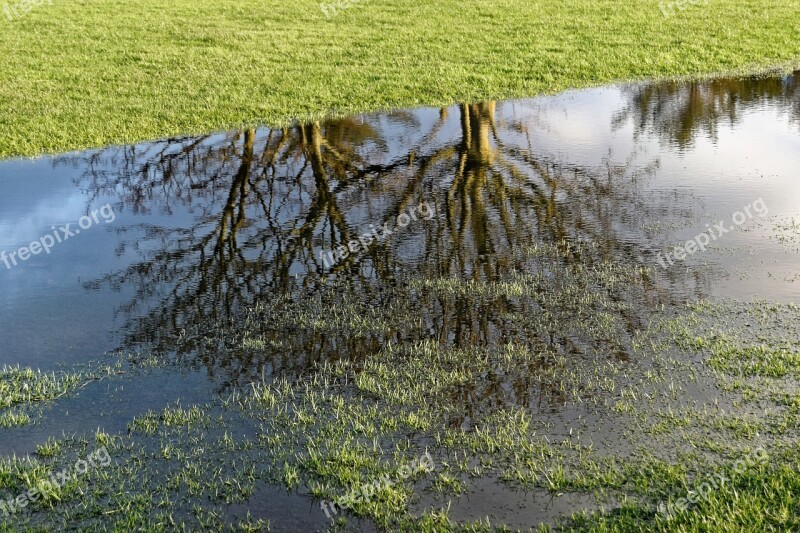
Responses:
[81,73]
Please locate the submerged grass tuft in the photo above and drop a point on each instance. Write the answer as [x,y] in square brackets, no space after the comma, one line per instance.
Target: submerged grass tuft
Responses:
[25,385]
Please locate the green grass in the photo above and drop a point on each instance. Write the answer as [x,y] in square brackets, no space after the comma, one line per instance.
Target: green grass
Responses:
[24,389]
[761,498]
[355,422]
[85,73]
[25,385]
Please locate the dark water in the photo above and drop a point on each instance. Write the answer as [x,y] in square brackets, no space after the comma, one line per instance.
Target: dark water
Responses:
[191,233]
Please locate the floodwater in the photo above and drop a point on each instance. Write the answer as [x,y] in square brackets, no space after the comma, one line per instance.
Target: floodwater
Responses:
[190,233]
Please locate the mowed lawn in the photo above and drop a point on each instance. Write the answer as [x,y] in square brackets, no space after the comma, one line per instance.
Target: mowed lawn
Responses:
[86,73]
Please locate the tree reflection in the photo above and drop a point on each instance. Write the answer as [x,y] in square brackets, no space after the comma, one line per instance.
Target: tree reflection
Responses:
[680,111]
[264,204]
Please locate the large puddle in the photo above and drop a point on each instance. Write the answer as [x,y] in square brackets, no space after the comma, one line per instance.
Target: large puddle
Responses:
[157,247]
[196,228]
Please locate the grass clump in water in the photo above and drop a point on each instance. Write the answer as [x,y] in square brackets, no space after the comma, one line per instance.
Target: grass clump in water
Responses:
[25,386]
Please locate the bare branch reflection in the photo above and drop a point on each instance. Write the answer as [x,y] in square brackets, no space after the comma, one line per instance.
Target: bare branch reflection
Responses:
[242,287]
